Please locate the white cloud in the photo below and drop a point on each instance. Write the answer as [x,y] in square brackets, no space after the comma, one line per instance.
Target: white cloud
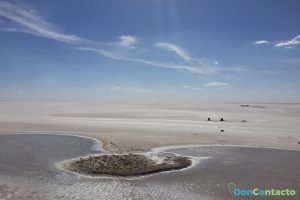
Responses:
[289,43]
[26,20]
[262,42]
[216,84]
[102,52]
[127,40]
[175,49]
[195,69]
[192,65]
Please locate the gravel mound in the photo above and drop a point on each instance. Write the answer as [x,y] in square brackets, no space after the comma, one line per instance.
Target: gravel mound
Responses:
[126,165]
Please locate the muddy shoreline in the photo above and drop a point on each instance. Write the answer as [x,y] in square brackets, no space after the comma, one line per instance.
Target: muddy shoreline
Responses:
[125,165]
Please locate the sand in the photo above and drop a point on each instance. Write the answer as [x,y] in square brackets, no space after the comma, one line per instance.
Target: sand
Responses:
[134,126]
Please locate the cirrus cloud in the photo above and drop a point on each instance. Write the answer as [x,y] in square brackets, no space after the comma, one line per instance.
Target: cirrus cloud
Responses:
[261,42]
[175,49]
[289,43]
[127,40]
[26,20]
[216,84]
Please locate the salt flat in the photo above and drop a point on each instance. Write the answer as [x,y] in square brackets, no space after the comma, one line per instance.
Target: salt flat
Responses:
[145,125]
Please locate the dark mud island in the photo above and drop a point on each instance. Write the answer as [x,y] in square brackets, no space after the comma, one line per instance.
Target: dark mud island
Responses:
[125,165]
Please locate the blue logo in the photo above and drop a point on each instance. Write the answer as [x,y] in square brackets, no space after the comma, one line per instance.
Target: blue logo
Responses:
[236,191]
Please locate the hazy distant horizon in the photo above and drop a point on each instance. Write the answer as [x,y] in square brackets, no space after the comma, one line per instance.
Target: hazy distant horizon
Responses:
[150,51]
[136,102]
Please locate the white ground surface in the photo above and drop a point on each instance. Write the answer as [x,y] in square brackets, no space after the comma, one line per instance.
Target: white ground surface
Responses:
[142,126]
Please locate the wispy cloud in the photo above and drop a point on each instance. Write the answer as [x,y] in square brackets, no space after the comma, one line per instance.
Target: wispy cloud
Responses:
[216,84]
[261,42]
[26,20]
[211,66]
[102,52]
[195,69]
[289,43]
[175,49]
[127,40]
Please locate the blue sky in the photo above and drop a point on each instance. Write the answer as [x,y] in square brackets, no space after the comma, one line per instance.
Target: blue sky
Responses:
[158,50]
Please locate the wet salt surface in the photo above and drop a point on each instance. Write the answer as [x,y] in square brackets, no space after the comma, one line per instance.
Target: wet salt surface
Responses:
[28,170]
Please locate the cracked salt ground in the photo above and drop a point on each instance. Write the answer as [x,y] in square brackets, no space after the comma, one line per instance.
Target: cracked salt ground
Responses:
[28,162]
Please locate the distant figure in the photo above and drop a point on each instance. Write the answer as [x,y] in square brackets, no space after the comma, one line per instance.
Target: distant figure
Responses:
[222,119]
[222,130]
[208,119]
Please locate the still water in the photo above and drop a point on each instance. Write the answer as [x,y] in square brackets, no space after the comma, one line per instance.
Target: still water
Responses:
[28,170]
